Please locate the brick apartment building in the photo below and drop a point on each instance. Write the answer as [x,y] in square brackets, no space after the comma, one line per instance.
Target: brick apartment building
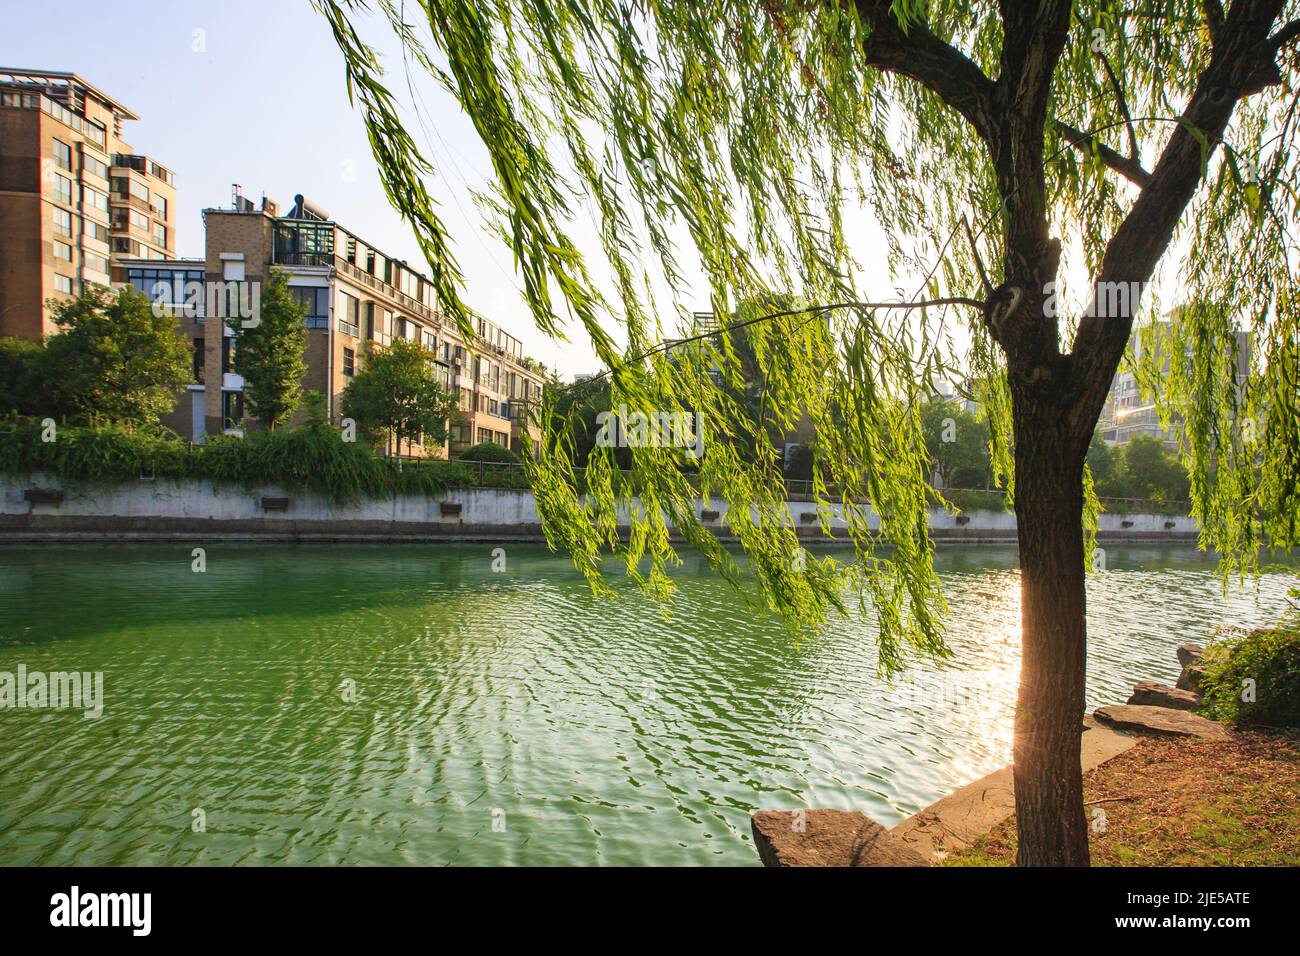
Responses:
[74,197]
[354,295]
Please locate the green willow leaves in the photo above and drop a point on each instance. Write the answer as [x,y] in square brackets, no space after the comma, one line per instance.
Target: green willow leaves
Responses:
[730,138]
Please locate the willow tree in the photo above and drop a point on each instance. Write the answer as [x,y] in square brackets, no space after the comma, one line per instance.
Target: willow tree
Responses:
[1004,148]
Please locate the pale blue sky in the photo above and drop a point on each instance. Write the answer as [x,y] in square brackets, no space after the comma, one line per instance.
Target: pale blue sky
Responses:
[261,102]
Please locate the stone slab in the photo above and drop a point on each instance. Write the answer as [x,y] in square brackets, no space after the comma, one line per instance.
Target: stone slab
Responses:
[1160,721]
[827,838]
[1149,693]
[963,816]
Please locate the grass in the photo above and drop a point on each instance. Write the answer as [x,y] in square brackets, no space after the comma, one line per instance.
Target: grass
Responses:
[1184,802]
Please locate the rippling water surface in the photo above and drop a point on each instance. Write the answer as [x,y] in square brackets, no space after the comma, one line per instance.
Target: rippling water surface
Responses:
[505,717]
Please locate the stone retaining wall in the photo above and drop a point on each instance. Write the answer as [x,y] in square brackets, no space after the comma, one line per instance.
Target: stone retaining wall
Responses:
[167,508]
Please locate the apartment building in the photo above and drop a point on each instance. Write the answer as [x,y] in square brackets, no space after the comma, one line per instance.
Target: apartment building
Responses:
[74,197]
[1128,413]
[354,295]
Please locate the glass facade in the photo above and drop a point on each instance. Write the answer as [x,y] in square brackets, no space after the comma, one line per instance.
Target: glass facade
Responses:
[303,242]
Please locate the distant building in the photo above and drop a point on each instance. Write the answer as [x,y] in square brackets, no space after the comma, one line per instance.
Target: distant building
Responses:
[74,197]
[1129,414]
[962,395]
[354,295]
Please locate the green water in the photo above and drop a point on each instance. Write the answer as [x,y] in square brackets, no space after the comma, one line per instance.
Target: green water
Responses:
[503,717]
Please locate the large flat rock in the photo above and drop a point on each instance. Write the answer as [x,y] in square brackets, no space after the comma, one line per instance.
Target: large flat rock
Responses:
[1148,693]
[827,838]
[1161,721]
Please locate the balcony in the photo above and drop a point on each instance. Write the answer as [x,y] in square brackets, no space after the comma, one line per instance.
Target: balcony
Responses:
[310,259]
[145,166]
[413,306]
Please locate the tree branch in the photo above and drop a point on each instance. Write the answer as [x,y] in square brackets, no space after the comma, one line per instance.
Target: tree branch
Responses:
[1213,11]
[1241,63]
[1128,167]
[1284,36]
[812,310]
[1133,151]
[938,66]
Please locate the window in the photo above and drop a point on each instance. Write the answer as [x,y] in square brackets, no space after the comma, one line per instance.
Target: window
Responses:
[160,234]
[62,155]
[139,191]
[349,362]
[381,324]
[160,206]
[63,284]
[138,220]
[349,314]
[429,341]
[175,283]
[95,263]
[352,250]
[62,251]
[63,189]
[232,408]
[96,230]
[316,301]
[94,199]
[90,164]
[199,360]
[228,354]
[62,222]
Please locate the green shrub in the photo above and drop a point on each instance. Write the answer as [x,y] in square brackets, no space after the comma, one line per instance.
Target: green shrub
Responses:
[489,451]
[94,454]
[313,457]
[1262,666]
[972,500]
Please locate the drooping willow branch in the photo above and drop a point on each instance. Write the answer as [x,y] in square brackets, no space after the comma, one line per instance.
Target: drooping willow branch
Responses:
[812,310]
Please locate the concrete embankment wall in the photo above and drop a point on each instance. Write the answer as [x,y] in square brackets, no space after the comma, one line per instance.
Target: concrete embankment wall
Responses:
[166,509]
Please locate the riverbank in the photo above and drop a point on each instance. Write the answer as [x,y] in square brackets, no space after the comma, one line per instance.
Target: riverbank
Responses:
[44,508]
[1188,790]
[1183,802]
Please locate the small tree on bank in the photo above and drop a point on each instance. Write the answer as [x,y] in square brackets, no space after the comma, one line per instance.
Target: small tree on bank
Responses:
[271,354]
[397,396]
[114,356]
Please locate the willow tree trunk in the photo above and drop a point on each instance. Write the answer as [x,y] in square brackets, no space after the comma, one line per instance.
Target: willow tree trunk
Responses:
[1050,824]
